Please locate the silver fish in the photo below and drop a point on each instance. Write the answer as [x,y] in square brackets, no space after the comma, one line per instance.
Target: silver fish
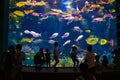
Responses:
[65,35]
[67,42]
[79,37]
[54,35]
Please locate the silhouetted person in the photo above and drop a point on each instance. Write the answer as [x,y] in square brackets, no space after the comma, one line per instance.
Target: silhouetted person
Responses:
[20,57]
[90,60]
[55,53]
[98,68]
[105,61]
[47,57]
[116,57]
[39,59]
[85,75]
[10,63]
[74,57]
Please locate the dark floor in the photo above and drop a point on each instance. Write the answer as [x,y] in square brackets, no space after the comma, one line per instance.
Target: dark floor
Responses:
[50,74]
[30,73]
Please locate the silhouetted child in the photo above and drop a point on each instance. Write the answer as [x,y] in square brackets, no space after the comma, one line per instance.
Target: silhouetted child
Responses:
[55,53]
[47,57]
[98,68]
[74,57]
[105,61]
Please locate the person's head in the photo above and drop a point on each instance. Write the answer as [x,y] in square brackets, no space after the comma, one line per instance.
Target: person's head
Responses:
[47,50]
[41,50]
[11,48]
[89,48]
[104,57]
[56,44]
[18,47]
[97,57]
[74,48]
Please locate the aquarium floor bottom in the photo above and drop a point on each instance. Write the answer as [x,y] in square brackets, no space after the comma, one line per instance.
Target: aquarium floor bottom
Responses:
[63,73]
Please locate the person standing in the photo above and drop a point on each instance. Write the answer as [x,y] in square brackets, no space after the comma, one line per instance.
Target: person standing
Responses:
[47,57]
[39,59]
[20,57]
[55,53]
[90,60]
[74,57]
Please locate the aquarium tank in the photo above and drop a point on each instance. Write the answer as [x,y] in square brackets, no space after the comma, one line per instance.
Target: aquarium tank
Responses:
[39,23]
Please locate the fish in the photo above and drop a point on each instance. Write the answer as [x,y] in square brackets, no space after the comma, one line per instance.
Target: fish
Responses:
[28,11]
[95,5]
[54,35]
[29,40]
[51,41]
[41,3]
[77,28]
[35,14]
[92,40]
[98,19]
[20,4]
[69,18]
[111,43]
[37,41]
[88,31]
[79,37]
[108,15]
[34,34]
[106,2]
[112,10]
[67,42]
[65,35]
[19,13]
[67,3]
[27,32]
[103,41]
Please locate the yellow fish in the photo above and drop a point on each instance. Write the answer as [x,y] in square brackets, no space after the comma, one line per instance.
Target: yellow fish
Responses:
[108,2]
[28,11]
[91,41]
[112,10]
[20,4]
[88,31]
[29,40]
[18,13]
[103,41]
[95,5]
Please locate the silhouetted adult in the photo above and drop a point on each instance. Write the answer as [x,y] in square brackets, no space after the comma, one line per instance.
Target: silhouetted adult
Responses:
[10,63]
[116,57]
[74,57]
[39,59]
[20,57]
[47,57]
[85,74]
[90,60]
